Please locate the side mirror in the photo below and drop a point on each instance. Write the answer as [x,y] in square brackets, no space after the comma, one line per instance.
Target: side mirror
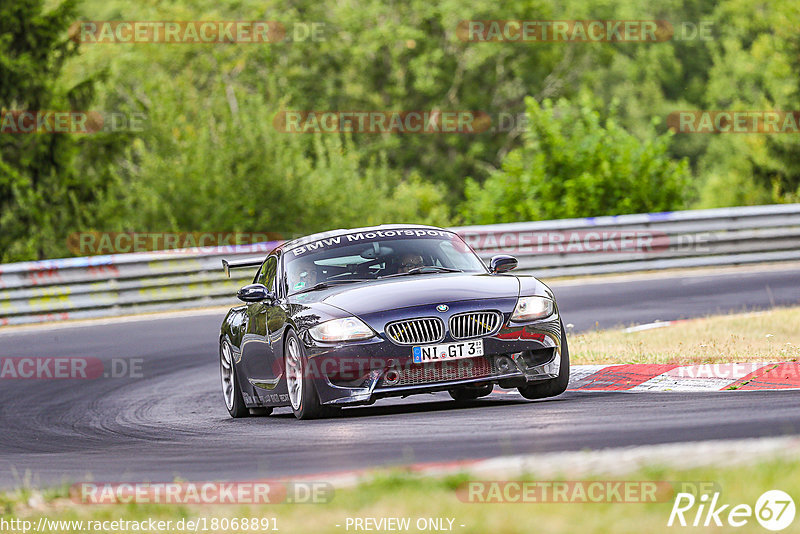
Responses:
[254,293]
[502,263]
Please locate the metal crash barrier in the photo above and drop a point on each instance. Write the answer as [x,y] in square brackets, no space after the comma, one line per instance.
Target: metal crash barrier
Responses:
[100,286]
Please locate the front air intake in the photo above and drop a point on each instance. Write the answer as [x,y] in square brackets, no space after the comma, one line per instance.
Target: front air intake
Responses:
[415,331]
[474,324]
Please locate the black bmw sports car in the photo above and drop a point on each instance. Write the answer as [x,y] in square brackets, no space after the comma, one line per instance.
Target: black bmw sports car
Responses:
[346,317]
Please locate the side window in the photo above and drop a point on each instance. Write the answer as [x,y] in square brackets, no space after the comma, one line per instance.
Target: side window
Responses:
[268,272]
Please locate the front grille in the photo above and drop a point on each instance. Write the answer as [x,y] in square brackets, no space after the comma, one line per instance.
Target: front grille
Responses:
[413,331]
[444,371]
[474,324]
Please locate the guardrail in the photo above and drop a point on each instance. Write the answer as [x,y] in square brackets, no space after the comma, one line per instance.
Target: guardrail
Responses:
[99,286]
[625,243]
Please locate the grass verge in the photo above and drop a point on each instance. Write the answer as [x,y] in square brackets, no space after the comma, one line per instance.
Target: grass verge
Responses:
[769,336]
[400,495]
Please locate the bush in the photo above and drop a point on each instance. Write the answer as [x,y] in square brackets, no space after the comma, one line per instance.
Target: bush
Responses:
[576,163]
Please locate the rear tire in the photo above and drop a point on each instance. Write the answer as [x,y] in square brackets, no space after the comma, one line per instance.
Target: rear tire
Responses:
[554,386]
[470,393]
[231,393]
[303,395]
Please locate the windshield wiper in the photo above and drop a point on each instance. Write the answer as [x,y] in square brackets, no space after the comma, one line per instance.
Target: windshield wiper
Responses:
[329,283]
[424,270]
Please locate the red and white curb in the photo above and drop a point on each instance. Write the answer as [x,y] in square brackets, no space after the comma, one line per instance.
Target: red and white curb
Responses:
[668,377]
[758,376]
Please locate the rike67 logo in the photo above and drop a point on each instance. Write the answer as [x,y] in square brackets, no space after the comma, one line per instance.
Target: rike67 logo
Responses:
[774,510]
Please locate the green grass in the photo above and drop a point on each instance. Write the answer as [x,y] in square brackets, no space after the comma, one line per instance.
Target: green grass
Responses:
[769,336]
[398,494]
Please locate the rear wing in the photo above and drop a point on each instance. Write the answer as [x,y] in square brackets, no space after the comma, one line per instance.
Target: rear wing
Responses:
[240,264]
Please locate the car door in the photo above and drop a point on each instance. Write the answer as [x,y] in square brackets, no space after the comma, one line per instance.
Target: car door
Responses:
[276,324]
[258,340]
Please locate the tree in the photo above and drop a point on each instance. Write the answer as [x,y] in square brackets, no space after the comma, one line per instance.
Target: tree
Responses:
[49,182]
[236,172]
[756,59]
[577,163]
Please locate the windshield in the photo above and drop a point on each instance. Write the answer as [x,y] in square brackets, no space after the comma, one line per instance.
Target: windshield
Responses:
[374,255]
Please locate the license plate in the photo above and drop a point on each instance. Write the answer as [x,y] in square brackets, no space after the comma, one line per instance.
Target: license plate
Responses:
[448,351]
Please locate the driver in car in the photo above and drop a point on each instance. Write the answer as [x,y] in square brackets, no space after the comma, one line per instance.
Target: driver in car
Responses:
[409,261]
[304,274]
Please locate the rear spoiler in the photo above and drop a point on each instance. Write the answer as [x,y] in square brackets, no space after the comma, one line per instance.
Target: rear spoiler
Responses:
[240,264]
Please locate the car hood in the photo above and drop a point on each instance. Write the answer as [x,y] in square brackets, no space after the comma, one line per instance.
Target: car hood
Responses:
[415,290]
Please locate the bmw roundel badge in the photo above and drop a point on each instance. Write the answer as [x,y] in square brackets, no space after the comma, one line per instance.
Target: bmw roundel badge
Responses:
[442,308]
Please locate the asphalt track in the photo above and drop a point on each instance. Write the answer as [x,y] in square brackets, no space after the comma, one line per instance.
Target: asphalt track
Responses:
[172,423]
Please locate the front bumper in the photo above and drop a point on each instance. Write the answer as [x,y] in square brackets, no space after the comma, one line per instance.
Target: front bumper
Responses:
[361,372]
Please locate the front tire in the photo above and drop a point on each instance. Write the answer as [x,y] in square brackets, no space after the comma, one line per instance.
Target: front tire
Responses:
[230,385]
[554,386]
[302,392]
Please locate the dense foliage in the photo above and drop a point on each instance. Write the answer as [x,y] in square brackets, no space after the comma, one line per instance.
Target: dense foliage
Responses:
[208,157]
[573,163]
[46,181]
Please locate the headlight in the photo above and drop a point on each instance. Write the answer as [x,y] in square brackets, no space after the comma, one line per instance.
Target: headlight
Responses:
[532,308]
[347,329]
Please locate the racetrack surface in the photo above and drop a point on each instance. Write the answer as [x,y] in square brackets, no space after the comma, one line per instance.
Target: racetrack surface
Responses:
[172,422]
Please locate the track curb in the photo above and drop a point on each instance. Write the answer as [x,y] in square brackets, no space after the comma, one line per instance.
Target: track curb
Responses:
[760,376]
